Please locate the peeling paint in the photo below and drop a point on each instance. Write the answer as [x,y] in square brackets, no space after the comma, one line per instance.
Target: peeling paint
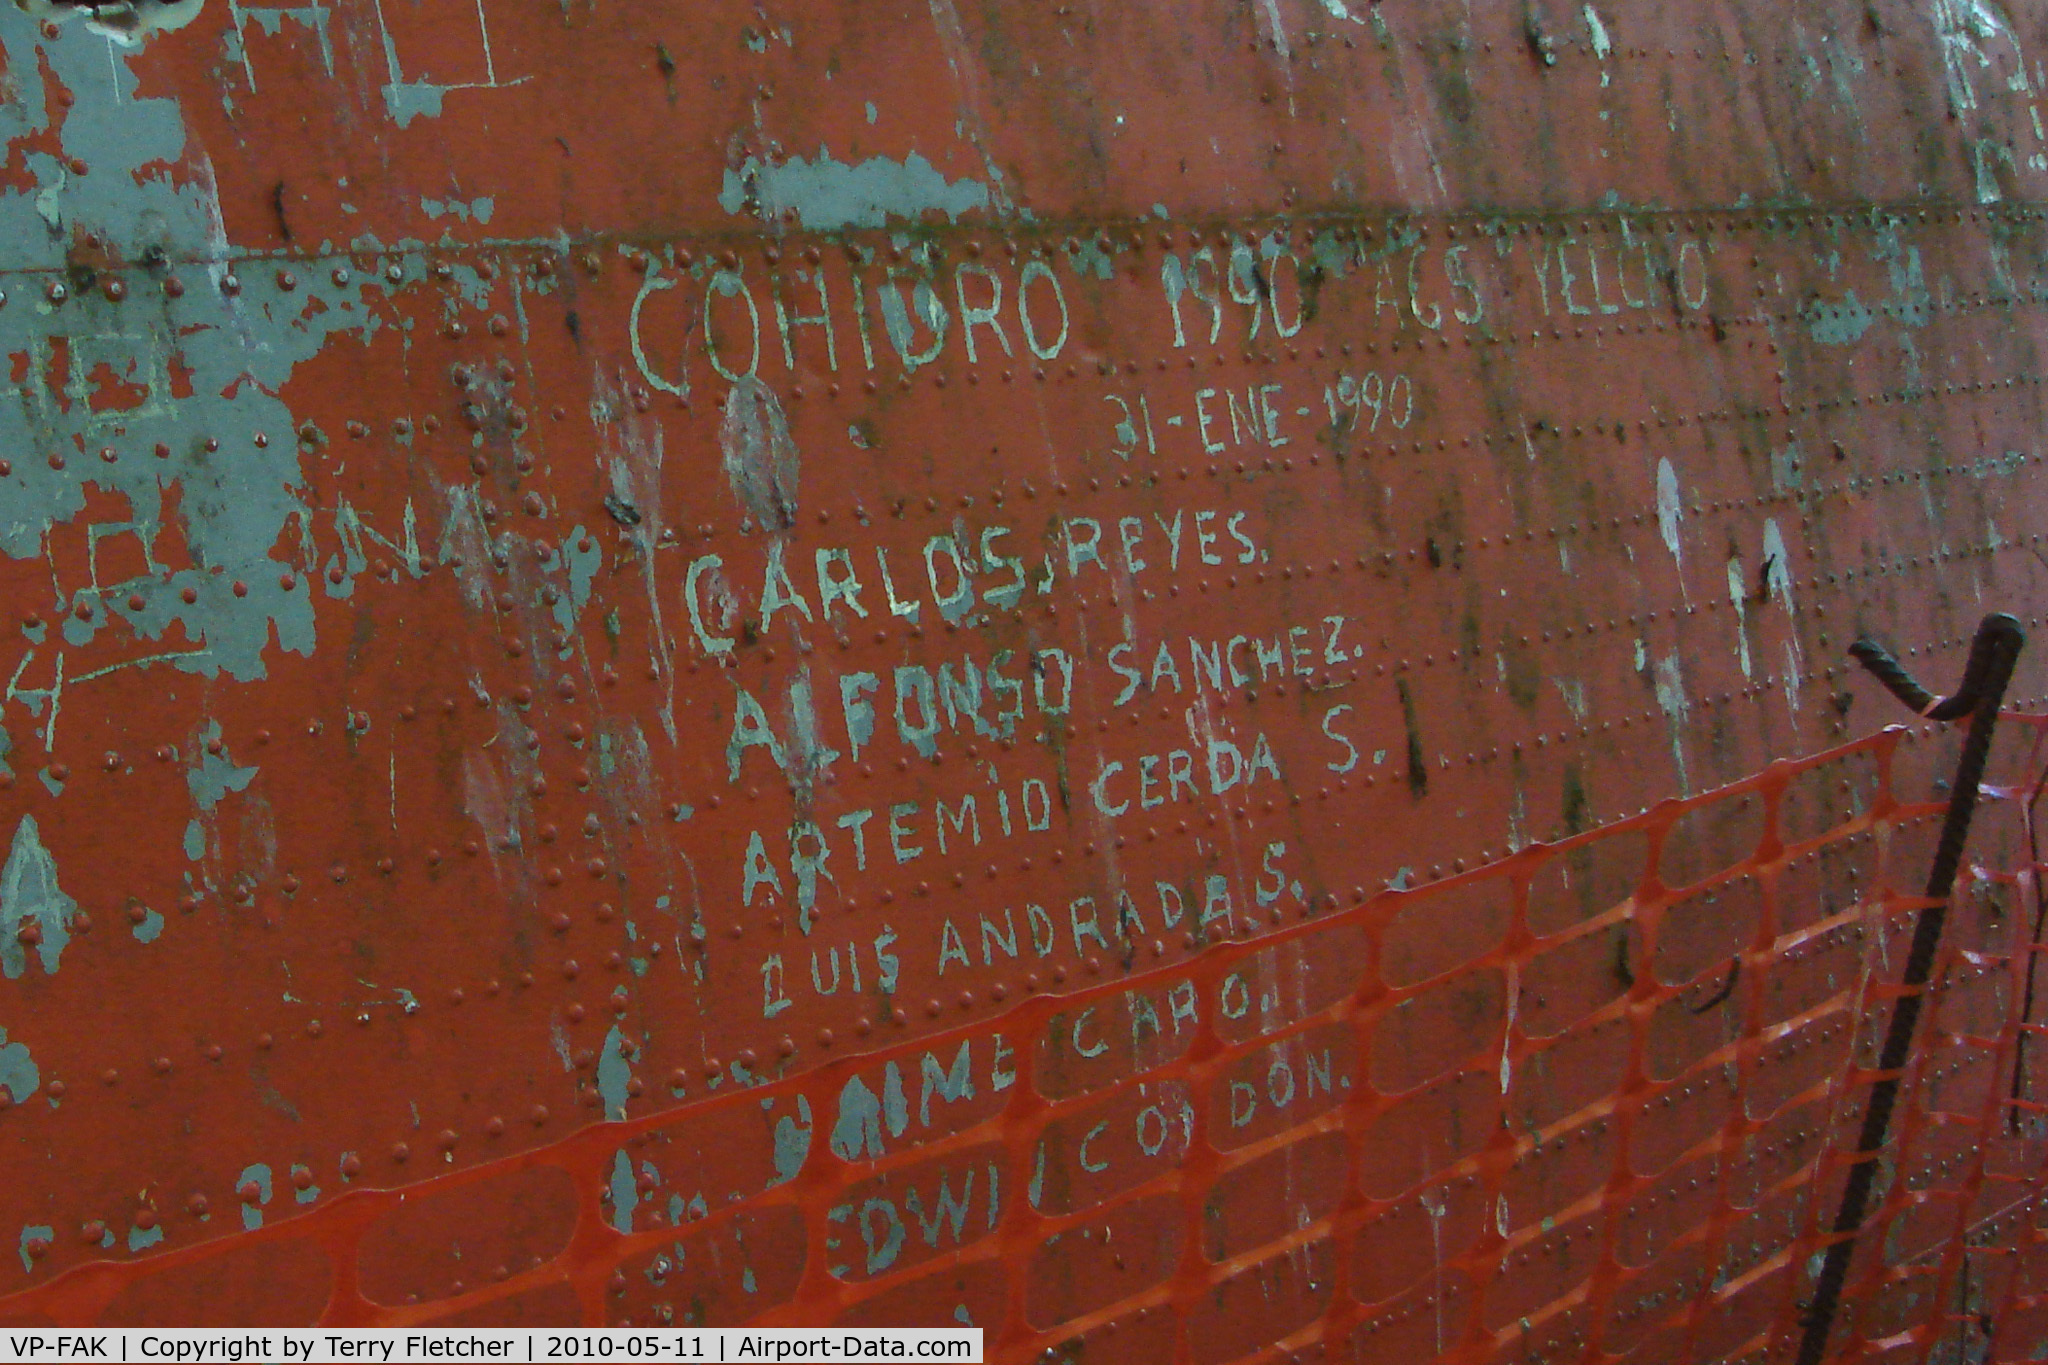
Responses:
[1911,303]
[30,896]
[1777,573]
[229,482]
[582,565]
[469,736]
[127,22]
[1671,700]
[828,194]
[760,459]
[1603,47]
[613,1072]
[257,1173]
[211,778]
[18,1074]
[39,1233]
[1839,324]
[792,1141]
[1965,28]
[215,774]
[1738,599]
[625,1195]
[478,210]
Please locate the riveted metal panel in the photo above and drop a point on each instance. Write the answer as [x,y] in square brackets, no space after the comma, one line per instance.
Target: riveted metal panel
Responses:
[1168,678]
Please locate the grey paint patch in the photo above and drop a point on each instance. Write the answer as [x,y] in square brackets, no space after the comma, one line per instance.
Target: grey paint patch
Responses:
[624,1196]
[1788,468]
[209,780]
[792,1141]
[405,101]
[582,566]
[139,1238]
[31,1234]
[18,1074]
[1839,324]
[152,925]
[272,22]
[216,774]
[1911,303]
[29,894]
[252,1214]
[857,1134]
[612,1074]
[828,194]
[1090,259]
[476,210]
[219,499]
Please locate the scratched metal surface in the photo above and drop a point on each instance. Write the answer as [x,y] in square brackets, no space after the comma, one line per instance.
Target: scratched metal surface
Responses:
[563,562]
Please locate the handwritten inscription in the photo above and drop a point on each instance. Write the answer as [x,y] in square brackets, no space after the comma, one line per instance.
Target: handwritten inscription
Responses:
[954,573]
[891,312]
[1032,702]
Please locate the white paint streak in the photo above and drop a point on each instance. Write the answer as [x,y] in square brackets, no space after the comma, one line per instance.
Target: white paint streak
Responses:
[1668,512]
[1738,598]
[1777,565]
[1671,700]
[1602,46]
[760,459]
[1963,28]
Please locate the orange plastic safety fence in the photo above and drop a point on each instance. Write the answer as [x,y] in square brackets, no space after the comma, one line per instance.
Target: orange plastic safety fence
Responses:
[1594,1102]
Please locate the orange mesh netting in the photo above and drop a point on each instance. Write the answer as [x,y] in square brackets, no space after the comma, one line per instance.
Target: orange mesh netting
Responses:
[1595,1101]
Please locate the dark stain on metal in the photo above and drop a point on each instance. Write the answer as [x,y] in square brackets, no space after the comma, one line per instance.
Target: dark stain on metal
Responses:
[1418,764]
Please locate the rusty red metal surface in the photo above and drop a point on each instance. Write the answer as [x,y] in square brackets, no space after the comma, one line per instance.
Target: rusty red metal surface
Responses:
[1169,679]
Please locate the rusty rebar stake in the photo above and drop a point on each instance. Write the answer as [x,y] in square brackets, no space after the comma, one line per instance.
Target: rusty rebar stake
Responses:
[1992,656]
